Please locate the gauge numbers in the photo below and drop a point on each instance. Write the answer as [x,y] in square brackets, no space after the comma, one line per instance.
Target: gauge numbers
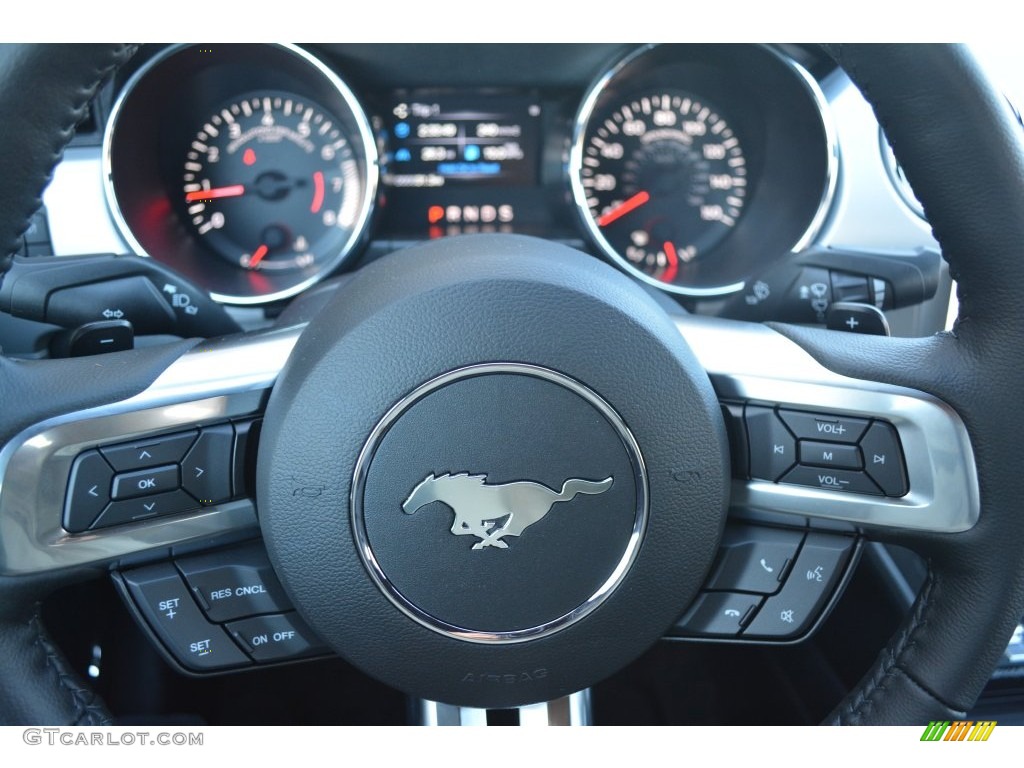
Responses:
[664,180]
[270,182]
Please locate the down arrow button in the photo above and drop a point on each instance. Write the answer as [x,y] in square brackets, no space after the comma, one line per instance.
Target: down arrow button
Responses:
[206,470]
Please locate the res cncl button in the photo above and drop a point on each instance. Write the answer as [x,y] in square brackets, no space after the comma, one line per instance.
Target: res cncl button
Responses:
[246,586]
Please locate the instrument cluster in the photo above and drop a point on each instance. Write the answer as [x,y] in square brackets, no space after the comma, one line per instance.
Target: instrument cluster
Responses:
[257,170]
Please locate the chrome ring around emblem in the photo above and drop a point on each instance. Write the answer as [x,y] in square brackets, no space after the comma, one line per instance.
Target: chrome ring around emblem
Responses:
[613,580]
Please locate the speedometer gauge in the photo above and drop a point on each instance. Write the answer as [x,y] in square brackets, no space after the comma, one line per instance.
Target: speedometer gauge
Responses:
[270,182]
[665,180]
[696,167]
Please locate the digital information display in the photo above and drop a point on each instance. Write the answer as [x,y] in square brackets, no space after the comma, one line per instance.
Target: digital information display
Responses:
[436,140]
[465,162]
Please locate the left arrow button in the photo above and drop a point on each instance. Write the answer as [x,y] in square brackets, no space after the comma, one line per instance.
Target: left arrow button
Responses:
[88,491]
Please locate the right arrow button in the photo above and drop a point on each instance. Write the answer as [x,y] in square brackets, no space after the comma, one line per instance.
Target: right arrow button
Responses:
[883,458]
[206,470]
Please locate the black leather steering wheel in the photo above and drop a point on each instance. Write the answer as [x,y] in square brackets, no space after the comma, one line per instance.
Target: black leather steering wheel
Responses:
[963,152]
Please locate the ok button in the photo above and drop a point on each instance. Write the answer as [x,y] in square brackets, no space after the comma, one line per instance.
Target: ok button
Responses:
[144,482]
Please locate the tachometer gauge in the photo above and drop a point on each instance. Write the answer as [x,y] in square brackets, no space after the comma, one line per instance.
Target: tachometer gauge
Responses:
[665,180]
[270,181]
[249,168]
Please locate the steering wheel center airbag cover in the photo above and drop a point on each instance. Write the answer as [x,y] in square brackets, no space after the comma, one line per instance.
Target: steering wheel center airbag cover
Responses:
[562,460]
[515,373]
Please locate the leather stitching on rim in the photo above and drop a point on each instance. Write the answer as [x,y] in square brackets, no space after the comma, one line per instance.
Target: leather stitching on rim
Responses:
[890,663]
[87,706]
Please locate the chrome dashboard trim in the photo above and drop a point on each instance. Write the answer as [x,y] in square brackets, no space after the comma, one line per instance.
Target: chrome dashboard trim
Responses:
[366,138]
[229,377]
[828,123]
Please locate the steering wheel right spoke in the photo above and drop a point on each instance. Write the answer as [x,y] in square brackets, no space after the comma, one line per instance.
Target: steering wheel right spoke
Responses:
[820,461]
[812,443]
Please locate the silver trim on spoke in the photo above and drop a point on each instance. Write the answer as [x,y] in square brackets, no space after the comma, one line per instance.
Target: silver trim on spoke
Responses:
[230,377]
[746,361]
[215,380]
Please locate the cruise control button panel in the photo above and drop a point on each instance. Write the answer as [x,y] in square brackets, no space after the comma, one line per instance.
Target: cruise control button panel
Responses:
[768,585]
[218,611]
[165,602]
[124,483]
[832,452]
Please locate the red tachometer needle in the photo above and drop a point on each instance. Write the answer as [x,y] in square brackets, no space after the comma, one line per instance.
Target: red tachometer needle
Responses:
[209,194]
[623,208]
[318,192]
[257,256]
[673,263]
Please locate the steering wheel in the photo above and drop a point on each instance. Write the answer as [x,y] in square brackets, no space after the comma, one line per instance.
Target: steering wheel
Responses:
[419,349]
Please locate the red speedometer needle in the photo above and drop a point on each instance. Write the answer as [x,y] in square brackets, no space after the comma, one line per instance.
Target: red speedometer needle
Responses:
[623,208]
[257,256]
[673,263]
[210,194]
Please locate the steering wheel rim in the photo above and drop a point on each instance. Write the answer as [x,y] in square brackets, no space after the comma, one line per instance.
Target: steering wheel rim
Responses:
[937,663]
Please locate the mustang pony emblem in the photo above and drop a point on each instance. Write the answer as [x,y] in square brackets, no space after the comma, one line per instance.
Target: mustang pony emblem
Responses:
[480,507]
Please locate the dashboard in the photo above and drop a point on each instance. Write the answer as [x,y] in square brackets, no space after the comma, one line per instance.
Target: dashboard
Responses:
[735,180]
[740,181]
